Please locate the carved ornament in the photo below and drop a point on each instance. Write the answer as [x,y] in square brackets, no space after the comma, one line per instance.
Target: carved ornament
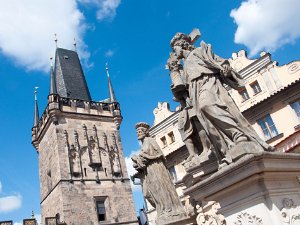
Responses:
[290,212]
[247,219]
[210,217]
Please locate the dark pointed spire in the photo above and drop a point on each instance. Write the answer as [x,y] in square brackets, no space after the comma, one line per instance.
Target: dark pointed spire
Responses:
[36,109]
[110,87]
[69,77]
[53,89]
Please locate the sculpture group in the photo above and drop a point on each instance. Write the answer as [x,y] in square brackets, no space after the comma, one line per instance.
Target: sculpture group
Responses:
[209,114]
[209,120]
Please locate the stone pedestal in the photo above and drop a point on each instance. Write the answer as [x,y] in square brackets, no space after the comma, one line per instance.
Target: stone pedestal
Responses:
[260,189]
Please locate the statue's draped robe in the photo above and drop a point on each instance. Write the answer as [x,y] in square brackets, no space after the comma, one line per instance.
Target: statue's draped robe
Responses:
[157,184]
[212,105]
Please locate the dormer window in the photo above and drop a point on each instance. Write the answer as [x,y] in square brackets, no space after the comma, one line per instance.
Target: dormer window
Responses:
[171,137]
[244,94]
[296,108]
[163,141]
[255,87]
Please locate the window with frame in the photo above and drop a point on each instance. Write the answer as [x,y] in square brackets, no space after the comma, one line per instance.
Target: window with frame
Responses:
[171,137]
[296,107]
[268,127]
[163,141]
[173,173]
[255,87]
[244,94]
[100,206]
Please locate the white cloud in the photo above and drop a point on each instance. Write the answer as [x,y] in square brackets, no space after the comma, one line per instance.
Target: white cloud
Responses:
[266,24]
[106,8]
[27,30]
[18,223]
[109,53]
[10,203]
[38,218]
[131,171]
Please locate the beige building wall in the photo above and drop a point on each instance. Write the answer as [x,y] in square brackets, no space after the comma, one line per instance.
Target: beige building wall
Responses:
[278,90]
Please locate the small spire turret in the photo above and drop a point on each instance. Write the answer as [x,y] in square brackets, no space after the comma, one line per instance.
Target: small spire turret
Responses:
[53,89]
[36,109]
[75,45]
[32,214]
[55,39]
[110,87]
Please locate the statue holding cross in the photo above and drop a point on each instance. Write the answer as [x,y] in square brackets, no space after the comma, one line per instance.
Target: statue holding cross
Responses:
[209,114]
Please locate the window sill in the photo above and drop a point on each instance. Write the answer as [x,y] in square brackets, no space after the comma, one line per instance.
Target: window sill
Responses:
[278,136]
[257,93]
[297,127]
[245,100]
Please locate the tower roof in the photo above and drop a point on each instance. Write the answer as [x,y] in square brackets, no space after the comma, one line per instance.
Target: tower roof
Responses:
[69,77]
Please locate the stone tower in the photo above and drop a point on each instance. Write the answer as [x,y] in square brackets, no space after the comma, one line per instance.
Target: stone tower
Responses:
[83,177]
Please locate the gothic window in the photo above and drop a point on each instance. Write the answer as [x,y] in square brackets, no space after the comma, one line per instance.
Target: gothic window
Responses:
[268,127]
[255,87]
[163,141]
[244,94]
[173,173]
[171,137]
[296,108]
[100,206]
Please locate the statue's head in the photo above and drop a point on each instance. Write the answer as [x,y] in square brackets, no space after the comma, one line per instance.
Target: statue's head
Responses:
[142,130]
[181,42]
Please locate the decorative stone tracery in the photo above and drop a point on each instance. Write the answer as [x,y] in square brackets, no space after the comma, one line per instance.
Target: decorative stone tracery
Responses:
[210,217]
[290,212]
[245,218]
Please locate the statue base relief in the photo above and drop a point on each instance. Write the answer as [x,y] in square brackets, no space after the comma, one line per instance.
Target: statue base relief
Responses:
[259,189]
[199,168]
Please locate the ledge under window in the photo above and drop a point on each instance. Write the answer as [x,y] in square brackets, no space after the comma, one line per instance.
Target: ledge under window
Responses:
[278,136]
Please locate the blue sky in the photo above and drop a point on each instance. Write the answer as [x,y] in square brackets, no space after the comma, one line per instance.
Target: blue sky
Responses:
[133,37]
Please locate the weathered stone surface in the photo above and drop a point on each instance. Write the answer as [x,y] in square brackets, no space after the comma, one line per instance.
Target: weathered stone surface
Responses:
[262,188]
[209,118]
[157,184]
[78,159]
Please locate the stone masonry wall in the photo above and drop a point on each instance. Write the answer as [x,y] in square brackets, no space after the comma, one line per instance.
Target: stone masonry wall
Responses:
[74,197]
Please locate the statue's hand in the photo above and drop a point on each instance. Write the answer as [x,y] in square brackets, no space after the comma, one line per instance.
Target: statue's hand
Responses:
[226,70]
[134,158]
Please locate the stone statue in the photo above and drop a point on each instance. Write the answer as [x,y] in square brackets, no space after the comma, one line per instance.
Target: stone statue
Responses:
[156,181]
[199,84]
[191,131]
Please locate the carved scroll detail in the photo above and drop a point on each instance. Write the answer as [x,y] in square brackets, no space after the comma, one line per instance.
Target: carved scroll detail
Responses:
[247,219]
[290,212]
[211,216]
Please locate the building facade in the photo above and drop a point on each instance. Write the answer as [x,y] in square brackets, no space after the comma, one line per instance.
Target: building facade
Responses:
[83,177]
[269,101]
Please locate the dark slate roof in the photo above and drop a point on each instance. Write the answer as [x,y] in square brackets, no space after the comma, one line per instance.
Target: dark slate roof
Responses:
[69,77]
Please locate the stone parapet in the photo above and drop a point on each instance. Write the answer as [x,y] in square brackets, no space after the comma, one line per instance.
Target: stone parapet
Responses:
[263,188]
[58,106]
